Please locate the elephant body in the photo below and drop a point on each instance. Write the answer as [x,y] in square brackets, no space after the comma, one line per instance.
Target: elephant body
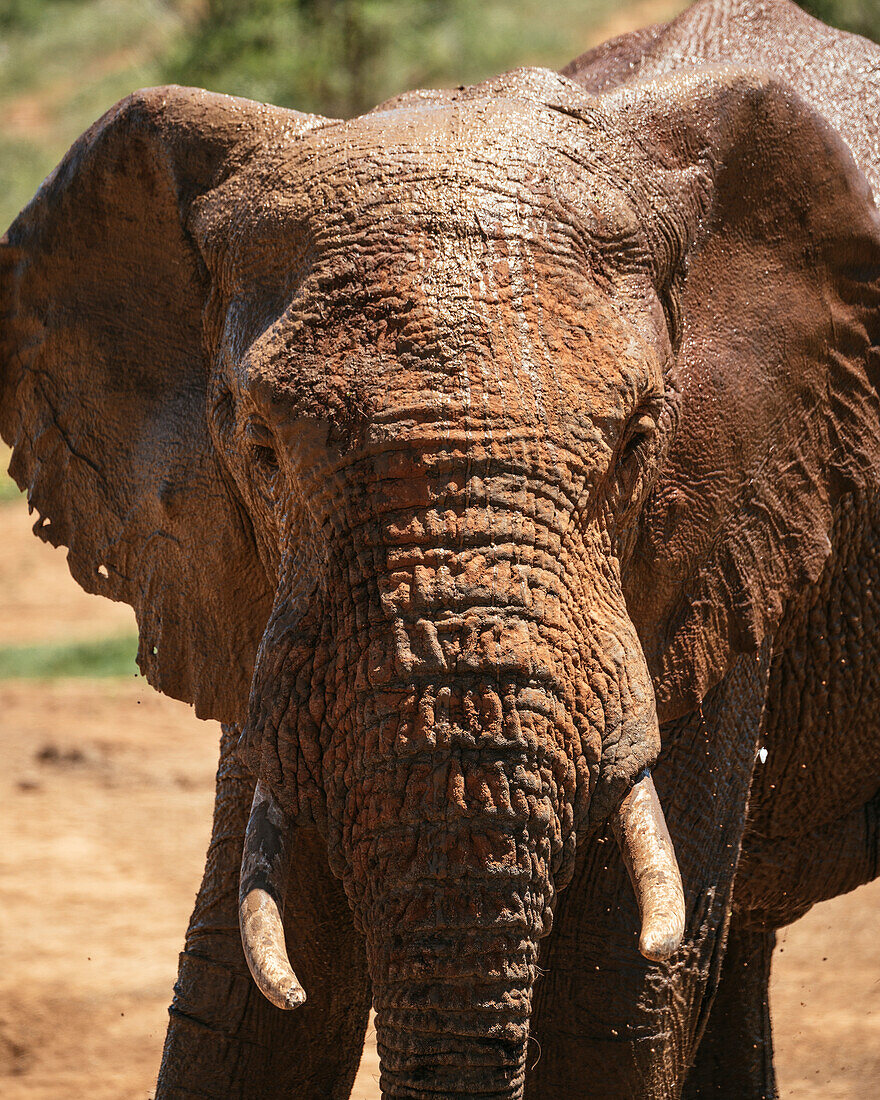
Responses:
[469,461]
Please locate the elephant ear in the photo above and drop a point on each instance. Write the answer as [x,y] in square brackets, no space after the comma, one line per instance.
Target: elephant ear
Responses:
[103,381]
[768,241]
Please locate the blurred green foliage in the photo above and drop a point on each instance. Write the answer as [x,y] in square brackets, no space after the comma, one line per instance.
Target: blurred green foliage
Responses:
[8,489]
[100,658]
[340,57]
[64,62]
[857,16]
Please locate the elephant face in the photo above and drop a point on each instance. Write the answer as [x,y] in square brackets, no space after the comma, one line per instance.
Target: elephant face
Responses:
[434,447]
[439,429]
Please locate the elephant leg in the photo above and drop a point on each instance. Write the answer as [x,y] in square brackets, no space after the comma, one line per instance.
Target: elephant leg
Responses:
[607,1023]
[735,1056]
[225,1040]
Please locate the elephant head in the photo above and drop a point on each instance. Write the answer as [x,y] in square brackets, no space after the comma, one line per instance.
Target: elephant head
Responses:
[448,451]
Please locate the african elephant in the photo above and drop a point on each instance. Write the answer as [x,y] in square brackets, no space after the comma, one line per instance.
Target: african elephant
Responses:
[468,460]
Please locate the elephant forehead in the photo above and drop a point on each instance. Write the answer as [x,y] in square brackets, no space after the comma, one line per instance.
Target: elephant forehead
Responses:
[481,170]
[417,153]
[439,235]
[441,251]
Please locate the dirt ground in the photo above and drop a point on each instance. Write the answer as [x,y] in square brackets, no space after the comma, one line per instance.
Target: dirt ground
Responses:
[106,805]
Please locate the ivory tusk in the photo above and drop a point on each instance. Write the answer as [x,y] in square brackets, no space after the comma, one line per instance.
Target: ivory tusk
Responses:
[263,870]
[645,844]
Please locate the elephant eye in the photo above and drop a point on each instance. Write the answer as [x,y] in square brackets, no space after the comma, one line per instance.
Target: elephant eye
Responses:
[631,472]
[641,429]
[260,439]
[267,458]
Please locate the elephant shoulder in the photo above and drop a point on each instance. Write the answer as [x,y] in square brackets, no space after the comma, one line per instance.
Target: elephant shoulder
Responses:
[838,74]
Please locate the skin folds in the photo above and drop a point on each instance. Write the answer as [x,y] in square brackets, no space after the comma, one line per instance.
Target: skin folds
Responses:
[470,460]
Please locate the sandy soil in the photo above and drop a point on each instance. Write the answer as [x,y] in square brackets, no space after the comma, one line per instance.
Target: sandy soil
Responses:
[105,797]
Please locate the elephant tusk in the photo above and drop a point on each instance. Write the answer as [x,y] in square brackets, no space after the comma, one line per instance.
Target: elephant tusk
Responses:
[645,844]
[263,871]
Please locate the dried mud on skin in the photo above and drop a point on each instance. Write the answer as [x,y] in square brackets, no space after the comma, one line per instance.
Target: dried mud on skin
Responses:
[105,813]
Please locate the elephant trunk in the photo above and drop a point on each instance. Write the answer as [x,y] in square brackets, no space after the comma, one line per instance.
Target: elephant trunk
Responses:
[450,861]
[639,827]
[453,1006]
[462,720]
[452,911]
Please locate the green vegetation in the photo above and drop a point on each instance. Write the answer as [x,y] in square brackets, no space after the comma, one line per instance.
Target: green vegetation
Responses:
[62,64]
[858,16]
[340,57]
[100,658]
[8,489]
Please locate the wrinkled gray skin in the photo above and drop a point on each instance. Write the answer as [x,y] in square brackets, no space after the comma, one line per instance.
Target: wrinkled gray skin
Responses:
[464,460]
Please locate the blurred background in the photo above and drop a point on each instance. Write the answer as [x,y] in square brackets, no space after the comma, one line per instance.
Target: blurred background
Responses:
[106,787]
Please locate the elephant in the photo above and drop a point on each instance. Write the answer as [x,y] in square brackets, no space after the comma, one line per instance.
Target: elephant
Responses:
[497,467]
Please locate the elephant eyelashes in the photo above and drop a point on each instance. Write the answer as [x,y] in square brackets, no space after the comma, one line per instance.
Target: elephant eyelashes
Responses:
[266,458]
[264,464]
[627,485]
[260,439]
[641,429]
